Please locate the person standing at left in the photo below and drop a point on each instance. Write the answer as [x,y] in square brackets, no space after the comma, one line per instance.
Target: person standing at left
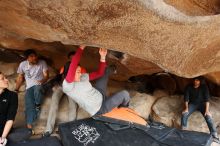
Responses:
[35,73]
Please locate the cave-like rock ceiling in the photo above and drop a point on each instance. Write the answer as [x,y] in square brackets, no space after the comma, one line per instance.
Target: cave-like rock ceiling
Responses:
[177,36]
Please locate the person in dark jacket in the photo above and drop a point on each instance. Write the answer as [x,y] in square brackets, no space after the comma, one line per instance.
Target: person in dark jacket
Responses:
[196,98]
[8,109]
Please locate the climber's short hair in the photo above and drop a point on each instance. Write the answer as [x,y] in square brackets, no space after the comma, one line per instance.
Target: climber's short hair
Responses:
[28,52]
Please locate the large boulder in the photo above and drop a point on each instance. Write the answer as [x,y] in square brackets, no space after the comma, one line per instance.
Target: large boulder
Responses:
[142,103]
[154,31]
[167,110]
[196,7]
[8,68]
[214,77]
[160,93]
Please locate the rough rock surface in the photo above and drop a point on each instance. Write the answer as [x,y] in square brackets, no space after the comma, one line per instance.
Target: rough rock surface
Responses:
[128,66]
[214,77]
[142,104]
[166,109]
[160,93]
[151,30]
[196,7]
[8,68]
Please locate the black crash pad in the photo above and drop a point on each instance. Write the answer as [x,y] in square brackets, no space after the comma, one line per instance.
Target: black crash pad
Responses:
[90,132]
[48,141]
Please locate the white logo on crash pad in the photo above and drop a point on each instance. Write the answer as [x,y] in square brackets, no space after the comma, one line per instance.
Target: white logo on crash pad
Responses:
[4,100]
[86,134]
